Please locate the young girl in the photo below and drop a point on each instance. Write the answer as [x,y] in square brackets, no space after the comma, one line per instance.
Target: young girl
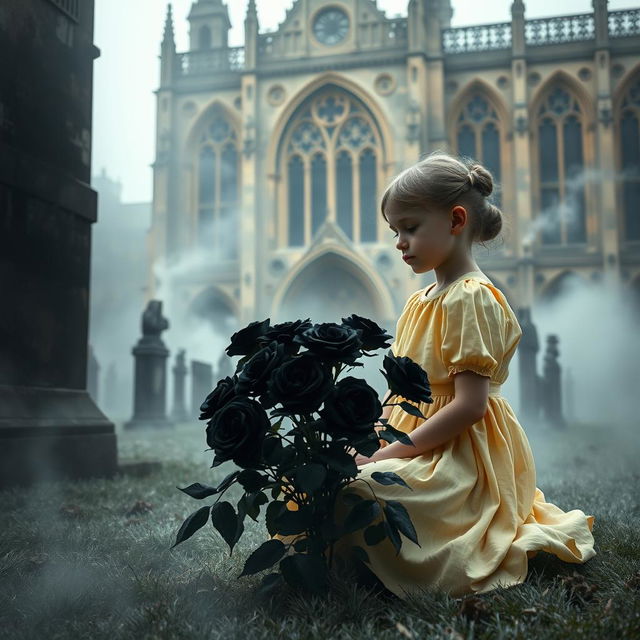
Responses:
[474,503]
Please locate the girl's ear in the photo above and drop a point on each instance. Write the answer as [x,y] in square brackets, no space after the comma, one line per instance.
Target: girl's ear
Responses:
[459,219]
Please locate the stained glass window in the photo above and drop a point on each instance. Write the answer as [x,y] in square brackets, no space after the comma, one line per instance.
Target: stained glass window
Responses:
[339,147]
[478,137]
[218,184]
[562,202]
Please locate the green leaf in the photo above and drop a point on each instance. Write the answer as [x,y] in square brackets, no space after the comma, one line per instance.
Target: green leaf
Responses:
[361,515]
[272,451]
[340,460]
[274,509]
[305,571]
[398,515]
[225,520]
[199,491]
[252,502]
[275,427]
[388,478]
[391,434]
[195,521]
[412,409]
[368,446]
[292,522]
[269,584]
[310,477]
[251,480]
[394,536]
[265,556]
[375,533]
[360,554]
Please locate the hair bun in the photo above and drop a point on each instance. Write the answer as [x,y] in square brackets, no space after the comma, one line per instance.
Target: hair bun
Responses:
[481,179]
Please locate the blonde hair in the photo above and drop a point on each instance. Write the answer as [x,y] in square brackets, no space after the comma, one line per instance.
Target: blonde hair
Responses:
[442,180]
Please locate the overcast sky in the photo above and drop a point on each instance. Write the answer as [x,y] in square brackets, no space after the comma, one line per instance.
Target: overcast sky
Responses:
[128,35]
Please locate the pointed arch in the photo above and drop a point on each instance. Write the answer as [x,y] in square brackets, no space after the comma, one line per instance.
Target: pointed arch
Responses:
[627,143]
[213,146]
[370,282]
[213,304]
[343,147]
[477,129]
[556,286]
[562,152]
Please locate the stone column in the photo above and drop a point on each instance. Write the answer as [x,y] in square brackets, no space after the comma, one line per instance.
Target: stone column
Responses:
[93,375]
[524,233]
[608,233]
[527,353]
[552,392]
[179,412]
[150,376]
[201,384]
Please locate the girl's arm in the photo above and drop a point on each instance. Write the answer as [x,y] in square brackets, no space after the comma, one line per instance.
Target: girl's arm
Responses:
[467,408]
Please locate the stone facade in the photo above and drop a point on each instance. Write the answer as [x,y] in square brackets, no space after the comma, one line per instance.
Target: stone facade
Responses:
[272,157]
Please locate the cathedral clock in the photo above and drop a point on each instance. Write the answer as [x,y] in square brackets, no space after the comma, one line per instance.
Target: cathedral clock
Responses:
[331,26]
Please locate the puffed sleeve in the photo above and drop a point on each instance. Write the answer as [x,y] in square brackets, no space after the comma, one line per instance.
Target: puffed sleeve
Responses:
[473,329]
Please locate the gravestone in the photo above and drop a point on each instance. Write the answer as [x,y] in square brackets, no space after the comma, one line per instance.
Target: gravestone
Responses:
[50,427]
[150,372]
[179,412]
[201,384]
[225,366]
[552,395]
[111,389]
[93,376]
[527,353]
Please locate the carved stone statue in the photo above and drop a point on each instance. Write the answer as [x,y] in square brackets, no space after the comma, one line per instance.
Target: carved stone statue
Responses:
[153,322]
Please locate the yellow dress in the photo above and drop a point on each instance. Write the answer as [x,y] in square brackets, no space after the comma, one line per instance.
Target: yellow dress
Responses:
[475,506]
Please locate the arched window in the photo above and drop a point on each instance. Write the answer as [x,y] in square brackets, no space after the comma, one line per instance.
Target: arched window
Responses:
[204,37]
[629,145]
[561,189]
[332,152]
[478,137]
[218,185]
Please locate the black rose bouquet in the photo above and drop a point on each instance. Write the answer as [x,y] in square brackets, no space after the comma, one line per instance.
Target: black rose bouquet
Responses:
[291,427]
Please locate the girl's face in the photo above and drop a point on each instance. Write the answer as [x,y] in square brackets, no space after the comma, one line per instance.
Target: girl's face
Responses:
[422,232]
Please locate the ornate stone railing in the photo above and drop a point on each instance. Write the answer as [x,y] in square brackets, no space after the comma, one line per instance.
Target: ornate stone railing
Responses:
[545,31]
[203,62]
[624,23]
[483,37]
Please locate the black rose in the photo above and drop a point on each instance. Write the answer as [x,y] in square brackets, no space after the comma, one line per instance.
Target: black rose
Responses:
[237,430]
[406,378]
[284,333]
[252,380]
[245,341]
[352,408]
[224,391]
[301,384]
[373,337]
[331,341]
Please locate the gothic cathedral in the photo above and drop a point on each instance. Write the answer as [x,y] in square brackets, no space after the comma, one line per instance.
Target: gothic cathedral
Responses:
[272,157]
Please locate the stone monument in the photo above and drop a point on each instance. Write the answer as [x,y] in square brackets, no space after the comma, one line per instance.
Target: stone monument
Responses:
[150,372]
[93,376]
[50,427]
[179,412]
[201,384]
[551,391]
[527,353]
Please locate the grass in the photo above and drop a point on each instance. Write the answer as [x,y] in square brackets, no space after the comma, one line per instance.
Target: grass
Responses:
[93,560]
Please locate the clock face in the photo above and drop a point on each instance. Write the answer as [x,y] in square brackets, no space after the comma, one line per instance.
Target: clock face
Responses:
[331,26]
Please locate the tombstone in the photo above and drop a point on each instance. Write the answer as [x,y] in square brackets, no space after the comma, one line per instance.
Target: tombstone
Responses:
[552,396]
[568,395]
[527,353]
[179,412]
[111,388]
[201,384]
[225,367]
[93,375]
[150,373]
[50,427]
